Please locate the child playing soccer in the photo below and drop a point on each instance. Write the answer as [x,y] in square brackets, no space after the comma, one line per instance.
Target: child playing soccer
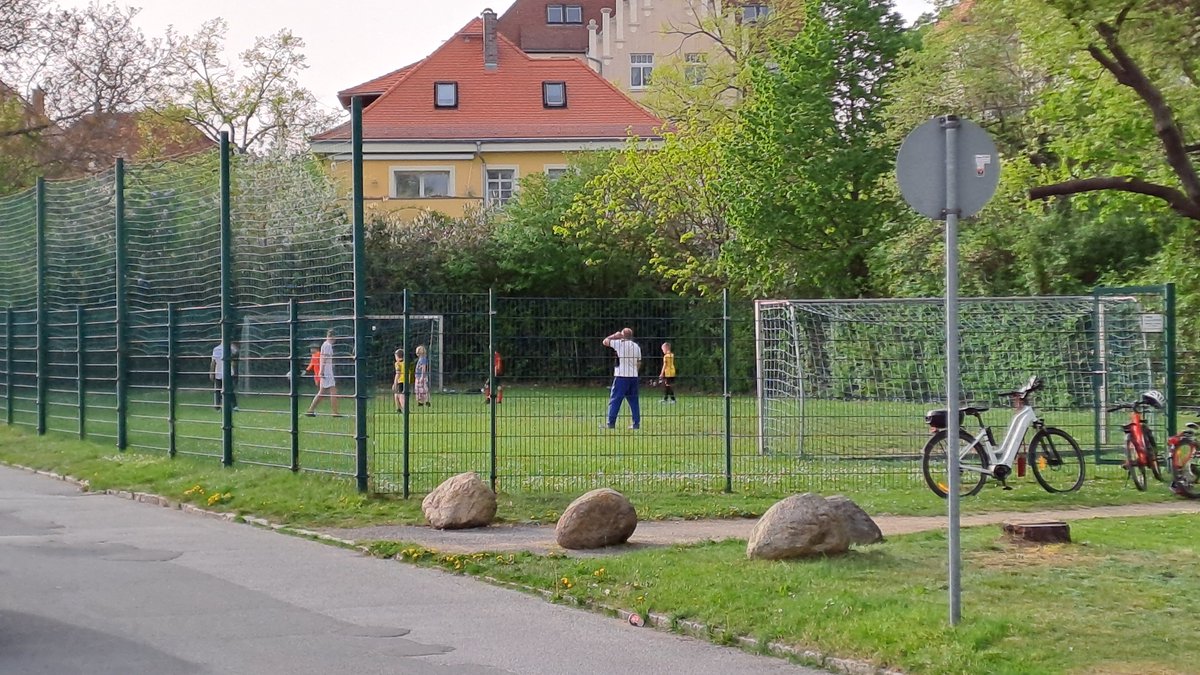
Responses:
[667,374]
[398,383]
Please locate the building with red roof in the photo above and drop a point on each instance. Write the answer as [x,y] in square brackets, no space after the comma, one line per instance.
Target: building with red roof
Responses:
[625,40]
[463,125]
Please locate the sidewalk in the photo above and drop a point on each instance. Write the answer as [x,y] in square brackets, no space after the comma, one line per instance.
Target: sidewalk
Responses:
[540,538]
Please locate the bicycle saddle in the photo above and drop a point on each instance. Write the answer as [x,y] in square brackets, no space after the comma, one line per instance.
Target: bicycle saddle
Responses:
[974,409]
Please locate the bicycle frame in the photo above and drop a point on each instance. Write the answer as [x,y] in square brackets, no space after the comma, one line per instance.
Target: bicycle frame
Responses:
[1014,438]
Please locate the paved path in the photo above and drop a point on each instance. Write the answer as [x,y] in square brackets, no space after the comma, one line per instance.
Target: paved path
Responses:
[96,584]
[661,533]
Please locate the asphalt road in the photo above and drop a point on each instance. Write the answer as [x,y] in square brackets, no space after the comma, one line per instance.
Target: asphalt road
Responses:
[96,584]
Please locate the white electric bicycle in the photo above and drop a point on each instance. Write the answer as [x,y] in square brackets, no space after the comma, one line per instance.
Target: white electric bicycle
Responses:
[1054,456]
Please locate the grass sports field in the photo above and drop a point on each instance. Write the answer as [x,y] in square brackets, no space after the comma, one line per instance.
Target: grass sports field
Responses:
[546,439]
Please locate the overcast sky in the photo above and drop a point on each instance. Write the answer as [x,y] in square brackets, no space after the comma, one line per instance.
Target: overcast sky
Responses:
[346,43]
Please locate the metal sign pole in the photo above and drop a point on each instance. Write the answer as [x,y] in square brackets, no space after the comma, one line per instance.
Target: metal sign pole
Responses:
[949,149]
[950,124]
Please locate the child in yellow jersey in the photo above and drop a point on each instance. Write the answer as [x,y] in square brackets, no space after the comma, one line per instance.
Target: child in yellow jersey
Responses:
[398,383]
[667,374]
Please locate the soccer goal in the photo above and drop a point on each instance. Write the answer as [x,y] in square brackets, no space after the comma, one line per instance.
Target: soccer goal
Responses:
[387,335]
[850,379]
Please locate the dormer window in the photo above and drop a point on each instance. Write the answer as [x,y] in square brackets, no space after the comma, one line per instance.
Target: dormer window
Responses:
[564,14]
[554,94]
[445,94]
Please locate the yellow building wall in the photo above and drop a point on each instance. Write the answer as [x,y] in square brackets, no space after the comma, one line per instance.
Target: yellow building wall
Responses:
[468,177]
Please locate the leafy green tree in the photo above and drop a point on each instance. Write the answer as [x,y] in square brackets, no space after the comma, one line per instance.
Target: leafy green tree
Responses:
[660,209]
[1128,96]
[532,251]
[806,159]
[704,83]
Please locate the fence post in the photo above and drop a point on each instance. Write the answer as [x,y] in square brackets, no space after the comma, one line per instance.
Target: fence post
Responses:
[42,329]
[726,335]
[172,377]
[1098,358]
[294,379]
[491,378]
[226,308]
[8,365]
[408,400]
[360,299]
[122,318]
[1172,378]
[81,366]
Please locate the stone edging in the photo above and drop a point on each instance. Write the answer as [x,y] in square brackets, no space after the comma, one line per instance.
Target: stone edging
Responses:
[663,622]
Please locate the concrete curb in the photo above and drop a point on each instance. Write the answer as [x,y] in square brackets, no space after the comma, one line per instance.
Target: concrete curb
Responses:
[659,621]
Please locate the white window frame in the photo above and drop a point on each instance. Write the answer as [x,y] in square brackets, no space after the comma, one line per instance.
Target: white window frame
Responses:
[562,14]
[487,189]
[755,12]
[695,67]
[643,68]
[547,168]
[578,11]
[393,170]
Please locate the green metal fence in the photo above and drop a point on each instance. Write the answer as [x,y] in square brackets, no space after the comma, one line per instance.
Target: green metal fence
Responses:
[121,286]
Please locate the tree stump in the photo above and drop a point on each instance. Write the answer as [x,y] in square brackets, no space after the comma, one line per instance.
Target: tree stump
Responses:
[1054,532]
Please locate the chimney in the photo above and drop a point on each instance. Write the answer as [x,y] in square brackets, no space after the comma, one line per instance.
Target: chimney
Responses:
[38,102]
[491,53]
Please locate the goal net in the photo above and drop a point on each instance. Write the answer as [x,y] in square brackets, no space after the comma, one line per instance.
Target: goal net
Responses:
[850,379]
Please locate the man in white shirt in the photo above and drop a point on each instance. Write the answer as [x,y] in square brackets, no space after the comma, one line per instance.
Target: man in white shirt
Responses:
[625,376]
[328,383]
[216,374]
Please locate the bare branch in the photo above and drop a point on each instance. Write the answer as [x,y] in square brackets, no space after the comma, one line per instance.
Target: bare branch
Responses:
[1128,73]
[1177,200]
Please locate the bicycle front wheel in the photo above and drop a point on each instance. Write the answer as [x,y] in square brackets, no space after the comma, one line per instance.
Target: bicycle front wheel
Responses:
[1185,474]
[935,462]
[1137,472]
[1057,460]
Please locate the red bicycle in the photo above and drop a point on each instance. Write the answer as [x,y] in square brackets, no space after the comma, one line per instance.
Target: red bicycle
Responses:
[1141,452]
[1184,452]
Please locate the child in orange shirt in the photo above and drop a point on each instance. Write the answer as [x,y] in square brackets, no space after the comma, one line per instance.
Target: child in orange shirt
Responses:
[314,363]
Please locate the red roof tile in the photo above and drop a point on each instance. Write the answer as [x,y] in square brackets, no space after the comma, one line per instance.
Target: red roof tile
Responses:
[500,104]
[377,85]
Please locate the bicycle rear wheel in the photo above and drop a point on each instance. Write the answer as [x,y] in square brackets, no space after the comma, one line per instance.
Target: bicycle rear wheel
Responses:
[1185,474]
[1137,472]
[971,464]
[1057,460]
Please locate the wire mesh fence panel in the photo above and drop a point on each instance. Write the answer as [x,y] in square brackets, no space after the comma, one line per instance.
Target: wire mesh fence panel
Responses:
[100,374]
[148,364]
[449,432]
[62,372]
[24,368]
[292,236]
[80,243]
[18,249]
[173,217]
[198,411]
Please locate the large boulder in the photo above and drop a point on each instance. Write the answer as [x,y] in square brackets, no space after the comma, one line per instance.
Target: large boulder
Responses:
[602,517]
[809,525]
[460,502]
[861,527]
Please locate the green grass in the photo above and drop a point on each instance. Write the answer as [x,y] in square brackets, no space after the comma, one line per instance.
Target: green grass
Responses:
[1114,601]
[547,440]
[315,499]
